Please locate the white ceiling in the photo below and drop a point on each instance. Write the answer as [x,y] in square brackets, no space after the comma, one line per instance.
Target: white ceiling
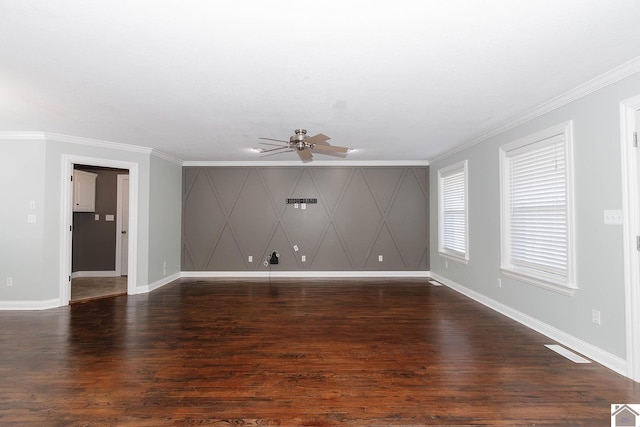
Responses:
[202,80]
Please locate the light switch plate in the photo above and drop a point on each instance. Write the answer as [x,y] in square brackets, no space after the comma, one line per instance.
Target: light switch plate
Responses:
[613,217]
[97,217]
[295,248]
[108,218]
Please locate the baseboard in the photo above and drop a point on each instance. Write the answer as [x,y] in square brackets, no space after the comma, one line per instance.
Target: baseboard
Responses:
[77,274]
[158,284]
[304,274]
[30,305]
[590,351]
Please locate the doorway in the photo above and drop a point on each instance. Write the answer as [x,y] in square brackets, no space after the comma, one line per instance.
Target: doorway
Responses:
[629,129]
[114,272]
[100,209]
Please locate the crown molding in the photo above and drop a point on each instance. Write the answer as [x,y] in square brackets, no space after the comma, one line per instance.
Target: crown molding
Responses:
[315,163]
[96,143]
[168,157]
[22,135]
[610,77]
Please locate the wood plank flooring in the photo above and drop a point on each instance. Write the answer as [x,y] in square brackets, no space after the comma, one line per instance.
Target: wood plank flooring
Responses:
[308,353]
[85,289]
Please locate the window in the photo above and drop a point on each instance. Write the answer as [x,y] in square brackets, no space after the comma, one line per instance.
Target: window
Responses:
[452,212]
[537,209]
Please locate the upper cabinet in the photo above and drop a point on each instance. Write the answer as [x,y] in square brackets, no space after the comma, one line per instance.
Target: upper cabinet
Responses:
[84,191]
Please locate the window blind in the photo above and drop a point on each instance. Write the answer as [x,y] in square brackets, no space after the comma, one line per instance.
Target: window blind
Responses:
[537,208]
[454,212]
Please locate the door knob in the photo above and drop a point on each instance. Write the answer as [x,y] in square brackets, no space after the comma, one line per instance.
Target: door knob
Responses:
[124,231]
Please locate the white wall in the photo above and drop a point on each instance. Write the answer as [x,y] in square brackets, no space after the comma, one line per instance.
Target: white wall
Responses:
[22,252]
[599,247]
[32,168]
[165,219]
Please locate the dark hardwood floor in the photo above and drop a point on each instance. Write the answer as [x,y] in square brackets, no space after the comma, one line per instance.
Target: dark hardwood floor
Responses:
[314,353]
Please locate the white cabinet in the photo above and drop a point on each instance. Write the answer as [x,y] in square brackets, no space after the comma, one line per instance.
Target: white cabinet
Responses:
[84,191]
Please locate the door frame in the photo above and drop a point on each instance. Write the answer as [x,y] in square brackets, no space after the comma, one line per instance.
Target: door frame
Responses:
[631,229]
[68,162]
[119,199]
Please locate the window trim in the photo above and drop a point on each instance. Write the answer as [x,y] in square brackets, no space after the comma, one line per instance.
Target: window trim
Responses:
[442,251]
[532,276]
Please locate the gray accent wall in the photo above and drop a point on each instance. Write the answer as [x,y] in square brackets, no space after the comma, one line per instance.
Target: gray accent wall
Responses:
[231,213]
[599,247]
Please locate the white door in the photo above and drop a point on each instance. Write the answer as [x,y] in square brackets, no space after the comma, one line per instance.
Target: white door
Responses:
[123,224]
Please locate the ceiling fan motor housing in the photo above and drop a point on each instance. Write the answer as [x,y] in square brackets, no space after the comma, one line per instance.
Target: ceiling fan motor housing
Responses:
[299,138]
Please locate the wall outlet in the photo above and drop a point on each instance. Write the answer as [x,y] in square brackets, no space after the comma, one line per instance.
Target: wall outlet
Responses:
[499,282]
[97,217]
[250,258]
[31,218]
[164,267]
[380,258]
[595,317]
[303,258]
[295,248]
[9,281]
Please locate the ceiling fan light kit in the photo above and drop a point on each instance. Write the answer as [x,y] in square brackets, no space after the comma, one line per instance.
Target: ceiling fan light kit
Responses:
[304,145]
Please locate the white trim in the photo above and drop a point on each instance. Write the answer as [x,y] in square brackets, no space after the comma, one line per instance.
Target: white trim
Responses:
[168,157]
[30,305]
[630,229]
[77,274]
[96,143]
[535,276]
[303,274]
[610,77]
[159,283]
[592,352]
[66,218]
[26,135]
[297,163]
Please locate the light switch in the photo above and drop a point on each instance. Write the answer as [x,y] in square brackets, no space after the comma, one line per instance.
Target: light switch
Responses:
[295,248]
[32,204]
[108,218]
[303,206]
[613,217]
[97,217]
[380,258]
[250,258]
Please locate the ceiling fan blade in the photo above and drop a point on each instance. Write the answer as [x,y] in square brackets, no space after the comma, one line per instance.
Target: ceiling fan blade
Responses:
[305,155]
[271,139]
[273,149]
[332,148]
[279,152]
[317,139]
[271,143]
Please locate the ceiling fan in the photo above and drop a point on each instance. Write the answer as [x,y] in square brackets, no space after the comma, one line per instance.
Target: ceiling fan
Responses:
[304,145]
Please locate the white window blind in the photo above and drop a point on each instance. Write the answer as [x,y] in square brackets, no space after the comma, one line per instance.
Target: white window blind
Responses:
[453,215]
[537,210]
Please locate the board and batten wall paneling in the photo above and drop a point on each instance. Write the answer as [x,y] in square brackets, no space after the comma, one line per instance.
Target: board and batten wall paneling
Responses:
[231,213]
